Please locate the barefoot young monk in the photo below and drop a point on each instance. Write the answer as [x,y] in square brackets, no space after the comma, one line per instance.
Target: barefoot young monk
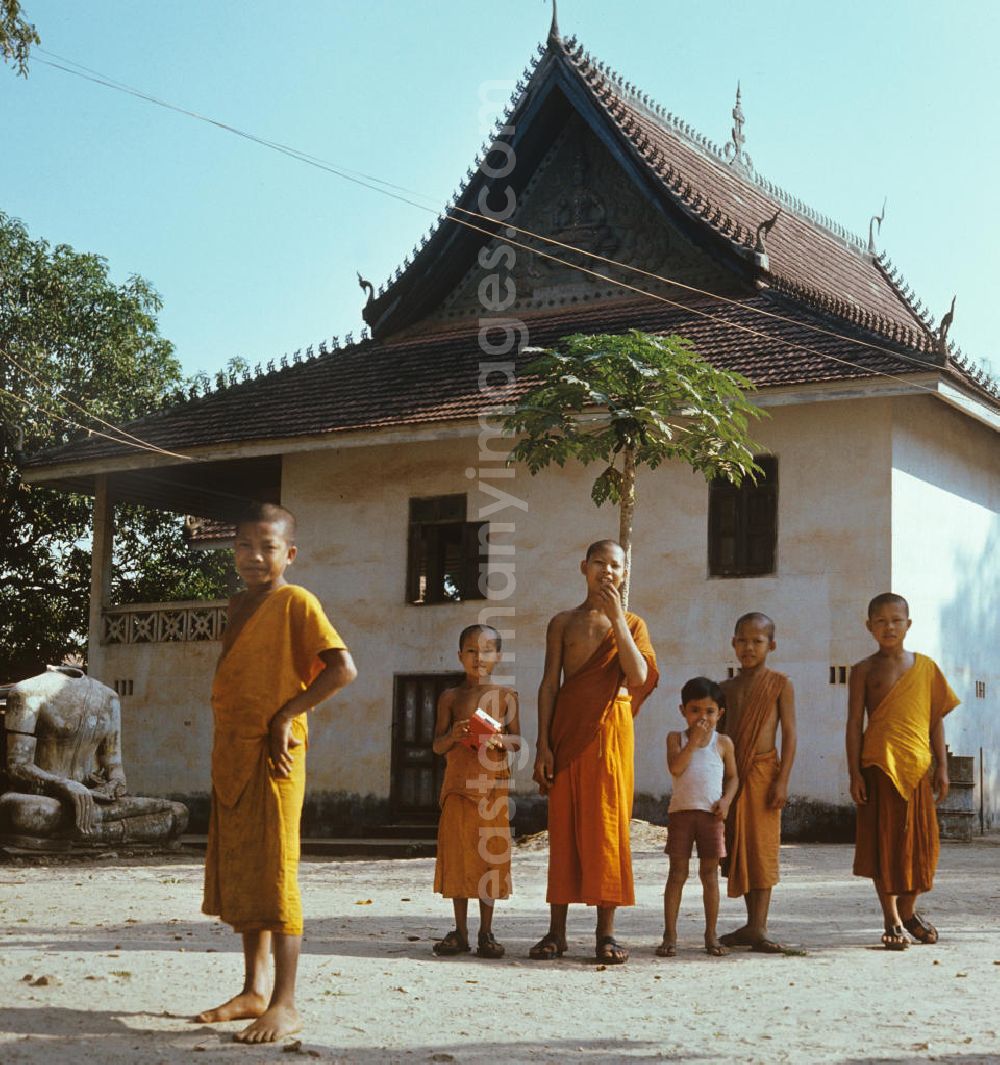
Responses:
[280,658]
[473,843]
[906,698]
[759,702]
[599,667]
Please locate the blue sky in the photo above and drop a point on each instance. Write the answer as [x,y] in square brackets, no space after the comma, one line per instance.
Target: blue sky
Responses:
[256,254]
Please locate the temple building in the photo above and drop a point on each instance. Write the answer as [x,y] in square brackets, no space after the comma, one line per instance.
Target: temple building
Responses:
[592,210]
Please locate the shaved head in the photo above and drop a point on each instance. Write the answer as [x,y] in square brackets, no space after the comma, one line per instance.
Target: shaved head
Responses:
[755,618]
[270,512]
[601,545]
[887,599]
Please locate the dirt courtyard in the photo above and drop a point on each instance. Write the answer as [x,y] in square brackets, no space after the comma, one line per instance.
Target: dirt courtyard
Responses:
[125,959]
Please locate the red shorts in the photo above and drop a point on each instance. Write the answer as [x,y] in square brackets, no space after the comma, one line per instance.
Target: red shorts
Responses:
[687,827]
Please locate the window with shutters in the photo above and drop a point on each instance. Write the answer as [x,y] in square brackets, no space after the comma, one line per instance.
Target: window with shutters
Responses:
[743,524]
[444,551]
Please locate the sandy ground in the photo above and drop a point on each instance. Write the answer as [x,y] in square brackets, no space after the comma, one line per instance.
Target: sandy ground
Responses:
[128,959]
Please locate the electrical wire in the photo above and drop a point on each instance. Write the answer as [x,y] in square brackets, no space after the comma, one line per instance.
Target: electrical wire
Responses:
[137,441]
[364,180]
[86,428]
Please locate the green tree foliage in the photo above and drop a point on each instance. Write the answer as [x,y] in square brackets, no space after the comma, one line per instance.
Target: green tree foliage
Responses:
[633,400]
[17,35]
[69,334]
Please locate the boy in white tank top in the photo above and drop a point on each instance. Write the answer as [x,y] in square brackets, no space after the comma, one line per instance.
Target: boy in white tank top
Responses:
[702,765]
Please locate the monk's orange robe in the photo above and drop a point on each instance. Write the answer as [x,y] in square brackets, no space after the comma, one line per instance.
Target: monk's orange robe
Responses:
[251,862]
[473,842]
[753,828]
[590,800]
[897,841]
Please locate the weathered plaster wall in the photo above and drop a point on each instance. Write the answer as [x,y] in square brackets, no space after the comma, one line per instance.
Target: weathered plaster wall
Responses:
[352,505]
[833,548]
[946,561]
[167,720]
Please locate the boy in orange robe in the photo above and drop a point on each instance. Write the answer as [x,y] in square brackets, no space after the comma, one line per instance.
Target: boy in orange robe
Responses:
[280,658]
[759,701]
[906,698]
[473,844]
[599,667]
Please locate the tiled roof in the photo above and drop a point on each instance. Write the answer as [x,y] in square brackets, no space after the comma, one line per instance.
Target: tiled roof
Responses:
[807,255]
[430,379]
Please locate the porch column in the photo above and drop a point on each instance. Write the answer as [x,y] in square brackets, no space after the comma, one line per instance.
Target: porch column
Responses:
[100,572]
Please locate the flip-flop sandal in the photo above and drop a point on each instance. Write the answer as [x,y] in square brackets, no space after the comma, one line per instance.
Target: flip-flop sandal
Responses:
[921,930]
[488,946]
[766,946]
[548,947]
[611,952]
[666,950]
[895,938]
[453,943]
[716,950]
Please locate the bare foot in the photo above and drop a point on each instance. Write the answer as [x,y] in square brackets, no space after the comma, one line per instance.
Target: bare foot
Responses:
[238,1008]
[742,937]
[715,948]
[273,1024]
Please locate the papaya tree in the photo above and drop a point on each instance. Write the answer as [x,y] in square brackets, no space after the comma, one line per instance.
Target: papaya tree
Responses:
[631,400]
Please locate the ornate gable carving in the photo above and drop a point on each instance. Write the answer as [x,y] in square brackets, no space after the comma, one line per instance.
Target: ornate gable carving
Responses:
[580,196]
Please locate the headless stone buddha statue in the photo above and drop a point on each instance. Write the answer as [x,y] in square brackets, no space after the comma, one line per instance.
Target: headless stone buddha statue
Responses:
[65,782]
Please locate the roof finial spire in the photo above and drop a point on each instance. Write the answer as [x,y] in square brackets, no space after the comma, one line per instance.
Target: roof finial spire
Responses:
[554,37]
[876,218]
[734,149]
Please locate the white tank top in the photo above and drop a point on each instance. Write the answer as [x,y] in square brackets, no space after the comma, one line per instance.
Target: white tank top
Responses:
[700,784]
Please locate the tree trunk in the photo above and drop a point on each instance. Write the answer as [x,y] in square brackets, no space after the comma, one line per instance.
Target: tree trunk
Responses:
[626,510]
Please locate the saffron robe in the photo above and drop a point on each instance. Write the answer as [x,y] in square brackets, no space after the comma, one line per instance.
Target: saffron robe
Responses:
[897,840]
[590,800]
[251,861]
[473,841]
[753,829]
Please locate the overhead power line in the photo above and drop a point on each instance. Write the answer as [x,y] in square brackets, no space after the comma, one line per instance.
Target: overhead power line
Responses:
[403,195]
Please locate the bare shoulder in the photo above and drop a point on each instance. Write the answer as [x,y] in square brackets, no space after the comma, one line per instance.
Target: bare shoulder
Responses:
[447,697]
[862,668]
[788,688]
[724,742]
[558,622]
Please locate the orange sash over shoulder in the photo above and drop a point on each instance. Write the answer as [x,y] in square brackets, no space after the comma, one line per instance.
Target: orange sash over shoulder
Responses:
[760,701]
[586,697]
[897,739]
[753,829]
[274,657]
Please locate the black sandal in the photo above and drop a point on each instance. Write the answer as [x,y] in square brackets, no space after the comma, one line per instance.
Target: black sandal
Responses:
[453,943]
[548,947]
[488,946]
[921,930]
[894,938]
[611,952]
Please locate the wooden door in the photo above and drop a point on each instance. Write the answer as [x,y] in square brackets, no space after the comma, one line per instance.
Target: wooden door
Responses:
[416,770]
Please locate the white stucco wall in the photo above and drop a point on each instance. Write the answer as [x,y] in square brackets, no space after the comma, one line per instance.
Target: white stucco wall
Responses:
[833,550]
[946,561]
[838,544]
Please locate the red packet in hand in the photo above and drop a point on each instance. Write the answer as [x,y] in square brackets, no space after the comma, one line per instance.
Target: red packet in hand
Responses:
[481,728]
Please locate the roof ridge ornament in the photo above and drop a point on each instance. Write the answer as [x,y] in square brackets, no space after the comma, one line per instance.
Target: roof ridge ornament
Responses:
[554,37]
[876,218]
[942,335]
[760,249]
[733,151]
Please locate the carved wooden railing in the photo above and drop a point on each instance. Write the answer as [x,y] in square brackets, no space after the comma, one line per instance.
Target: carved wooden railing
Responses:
[193,621]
